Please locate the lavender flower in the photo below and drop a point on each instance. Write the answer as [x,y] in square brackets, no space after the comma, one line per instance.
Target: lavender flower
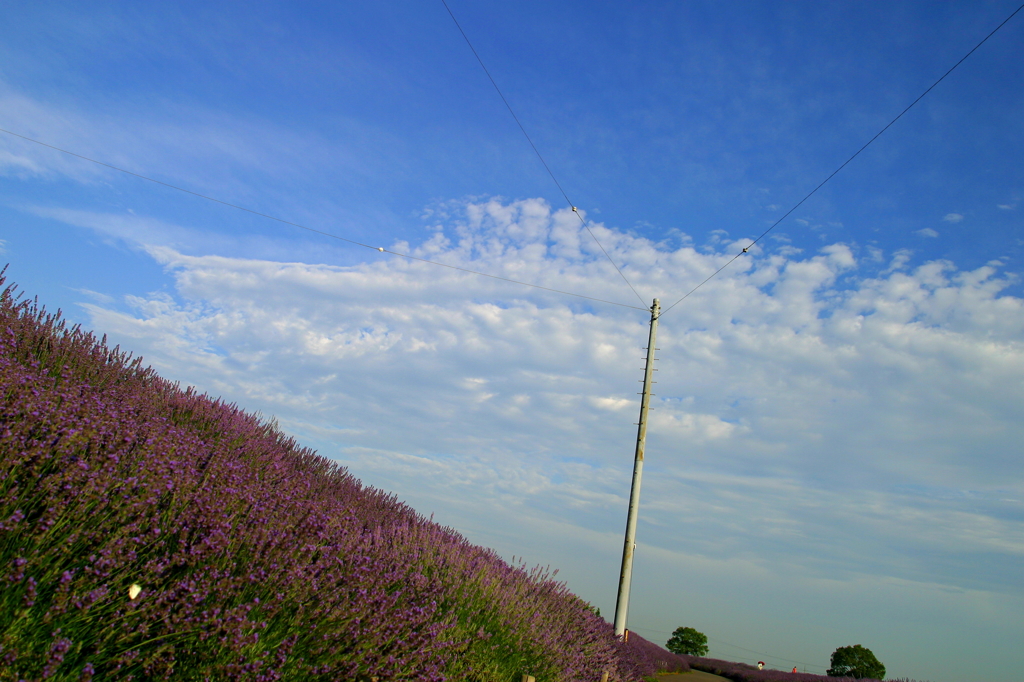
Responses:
[261,559]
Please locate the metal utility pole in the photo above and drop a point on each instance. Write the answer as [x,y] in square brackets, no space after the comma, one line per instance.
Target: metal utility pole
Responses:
[626,575]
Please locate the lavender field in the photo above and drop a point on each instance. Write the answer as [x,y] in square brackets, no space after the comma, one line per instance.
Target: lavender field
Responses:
[742,672]
[150,532]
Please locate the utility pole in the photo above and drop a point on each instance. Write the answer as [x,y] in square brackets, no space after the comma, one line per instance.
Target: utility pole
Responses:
[626,575]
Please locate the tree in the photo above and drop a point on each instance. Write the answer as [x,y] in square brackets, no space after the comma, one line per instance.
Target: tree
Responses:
[688,642]
[856,661]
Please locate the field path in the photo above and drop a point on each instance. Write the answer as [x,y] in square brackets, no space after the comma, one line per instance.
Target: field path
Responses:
[692,676]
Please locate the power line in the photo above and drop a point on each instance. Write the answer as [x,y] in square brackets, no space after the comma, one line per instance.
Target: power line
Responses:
[379,249]
[767,655]
[844,164]
[753,651]
[537,151]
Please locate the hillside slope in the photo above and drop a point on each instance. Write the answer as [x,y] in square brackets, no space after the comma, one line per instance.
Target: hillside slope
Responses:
[149,532]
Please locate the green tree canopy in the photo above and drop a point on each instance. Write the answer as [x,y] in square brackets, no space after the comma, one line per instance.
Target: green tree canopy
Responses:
[688,642]
[856,661]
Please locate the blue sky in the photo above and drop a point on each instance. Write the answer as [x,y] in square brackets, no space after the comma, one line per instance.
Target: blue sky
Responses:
[834,457]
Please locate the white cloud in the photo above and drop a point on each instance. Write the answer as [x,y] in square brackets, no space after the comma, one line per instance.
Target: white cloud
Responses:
[799,397]
[926,232]
[202,149]
[899,261]
[97,296]
[831,419]
[126,227]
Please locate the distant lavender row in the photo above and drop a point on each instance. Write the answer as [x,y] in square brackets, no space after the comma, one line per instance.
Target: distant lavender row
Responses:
[741,672]
[256,558]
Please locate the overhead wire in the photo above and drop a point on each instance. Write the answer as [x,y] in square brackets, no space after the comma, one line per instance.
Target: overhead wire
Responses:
[568,201]
[537,151]
[555,179]
[747,248]
[736,646]
[379,249]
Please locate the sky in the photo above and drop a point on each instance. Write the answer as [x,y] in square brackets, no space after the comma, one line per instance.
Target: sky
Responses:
[834,455]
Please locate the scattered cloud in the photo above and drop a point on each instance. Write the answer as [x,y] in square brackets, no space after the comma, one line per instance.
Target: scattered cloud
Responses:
[821,407]
[201,148]
[776,388]
[101,298]
[899,261]
[126,227]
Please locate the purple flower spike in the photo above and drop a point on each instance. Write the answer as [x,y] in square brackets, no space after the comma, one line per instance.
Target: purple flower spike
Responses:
[261,560]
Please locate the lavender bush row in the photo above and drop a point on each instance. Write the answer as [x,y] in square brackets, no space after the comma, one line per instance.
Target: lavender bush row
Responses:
[741,672]
[148,532]
[101,491]
[647,659]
